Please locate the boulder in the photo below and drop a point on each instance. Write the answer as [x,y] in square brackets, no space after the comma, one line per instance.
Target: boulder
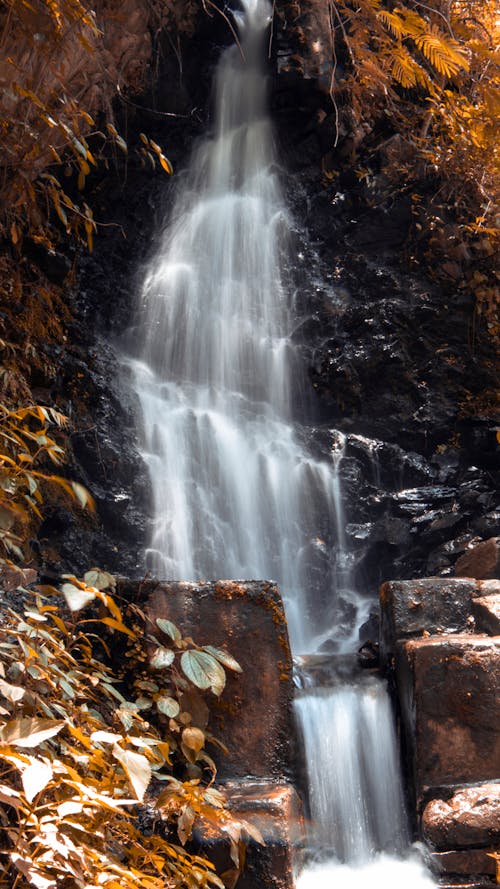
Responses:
[272,809]
[486,612]
[449,690]
[473,862]
[470,817]
[482,561]
[487,588]
[431,605]
[472,883]
[254,717]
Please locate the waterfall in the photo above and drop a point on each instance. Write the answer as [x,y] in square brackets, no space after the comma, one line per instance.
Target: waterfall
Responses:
[237,493]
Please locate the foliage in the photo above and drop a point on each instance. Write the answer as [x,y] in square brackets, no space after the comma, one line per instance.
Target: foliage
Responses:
[48,114]
[26,443]
[428,72]
[33,317]
[78,757]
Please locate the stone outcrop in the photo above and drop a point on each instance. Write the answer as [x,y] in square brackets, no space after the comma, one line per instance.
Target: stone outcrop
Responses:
[482,560]
[274,809]
[486,612]
[470,817]
[450,693]
[431,605]
[253,718]
[246,618]
[442,638]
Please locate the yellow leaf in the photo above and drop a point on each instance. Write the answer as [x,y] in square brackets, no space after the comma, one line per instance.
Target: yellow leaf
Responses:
[137,769]
[35,778]
[29,732]
[165,163]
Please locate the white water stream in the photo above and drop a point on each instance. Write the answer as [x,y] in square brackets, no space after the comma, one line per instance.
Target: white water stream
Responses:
[237,494]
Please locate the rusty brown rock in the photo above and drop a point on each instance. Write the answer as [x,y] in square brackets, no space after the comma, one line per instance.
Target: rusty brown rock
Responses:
[478,883]
[486,612]
[275,811]
[473,862]
[487,588]
[254,717]
[12,577]
[449,689]
[482,561]
[430,605]
[471,817]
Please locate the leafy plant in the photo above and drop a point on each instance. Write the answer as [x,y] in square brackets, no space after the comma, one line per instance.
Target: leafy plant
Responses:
[79,758]
[428,72]
[26,444]
[50,138]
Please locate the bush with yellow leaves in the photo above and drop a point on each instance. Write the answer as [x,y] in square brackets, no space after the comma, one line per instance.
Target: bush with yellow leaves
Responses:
[84,752]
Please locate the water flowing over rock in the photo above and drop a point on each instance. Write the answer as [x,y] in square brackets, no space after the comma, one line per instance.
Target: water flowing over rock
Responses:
[236,492]
[401,488]
[238,487]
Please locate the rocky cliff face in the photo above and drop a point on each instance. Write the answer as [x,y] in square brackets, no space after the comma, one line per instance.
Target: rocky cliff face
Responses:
[388,354]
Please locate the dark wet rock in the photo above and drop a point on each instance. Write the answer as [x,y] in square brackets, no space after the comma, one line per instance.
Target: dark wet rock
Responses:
[463,882]
[275,811]
[449,691]
[473,862]
[482,561]
[368,655]
[104,456]
[254,718]
[488,525]
[369,631]
[469,817]
[431,605]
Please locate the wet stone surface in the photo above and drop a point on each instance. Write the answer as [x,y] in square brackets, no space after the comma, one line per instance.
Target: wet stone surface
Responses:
[469,817]
[254,717]
[449,691]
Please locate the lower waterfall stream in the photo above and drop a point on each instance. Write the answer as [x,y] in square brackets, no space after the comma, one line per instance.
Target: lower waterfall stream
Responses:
[237,493]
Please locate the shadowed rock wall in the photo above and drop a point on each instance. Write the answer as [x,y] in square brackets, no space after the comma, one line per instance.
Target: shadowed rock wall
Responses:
[447,675]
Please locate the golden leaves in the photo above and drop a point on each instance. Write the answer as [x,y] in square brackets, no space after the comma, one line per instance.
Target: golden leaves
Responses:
[73,773]
[27,442]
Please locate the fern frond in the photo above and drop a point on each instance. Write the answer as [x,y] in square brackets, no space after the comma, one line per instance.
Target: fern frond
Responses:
[393,23]
[444,55]
[413,23]
[403,67]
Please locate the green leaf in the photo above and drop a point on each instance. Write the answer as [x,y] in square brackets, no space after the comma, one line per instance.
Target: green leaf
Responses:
[162,658]
[203,670]
[82,495]
[80,148]
[12,693]
[167,627]
[224,658]
[103,737]
[168,706]
[100,580]
[122,145]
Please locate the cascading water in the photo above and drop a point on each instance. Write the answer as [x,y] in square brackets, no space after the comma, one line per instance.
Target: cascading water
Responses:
[237,494]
